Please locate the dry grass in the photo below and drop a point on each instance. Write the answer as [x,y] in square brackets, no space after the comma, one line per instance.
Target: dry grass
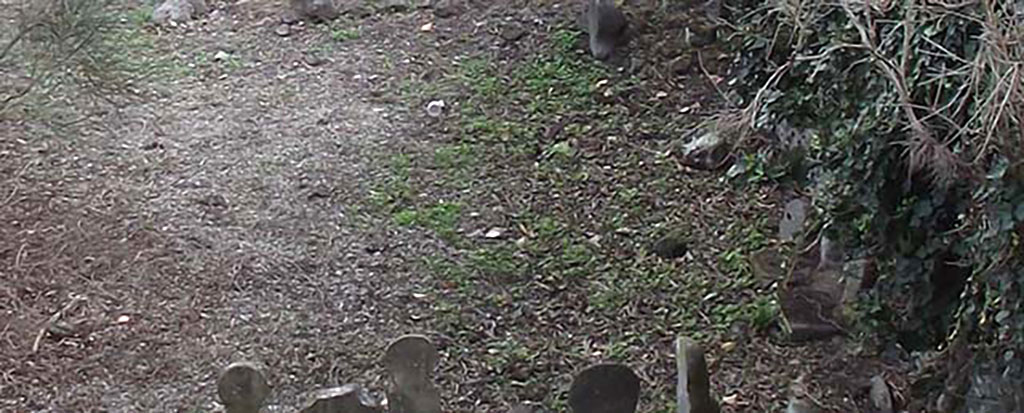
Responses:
[984,116]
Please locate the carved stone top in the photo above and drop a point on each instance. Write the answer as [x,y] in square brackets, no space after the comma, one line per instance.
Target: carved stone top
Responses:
[242,388]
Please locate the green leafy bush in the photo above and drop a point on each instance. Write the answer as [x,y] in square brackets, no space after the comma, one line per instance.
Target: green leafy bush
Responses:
[910,116]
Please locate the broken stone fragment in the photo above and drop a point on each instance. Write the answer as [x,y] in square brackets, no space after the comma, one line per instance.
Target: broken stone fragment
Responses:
[693,387]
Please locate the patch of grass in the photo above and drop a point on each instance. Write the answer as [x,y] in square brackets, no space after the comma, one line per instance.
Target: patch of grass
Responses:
[499,262]
[482,80]
[406,217]
[442,218]
[558,83]
[763,312]
[450,273]
[749,239]
[140,15]
[341,33]
[457,156]
[565,40]
[504,354]
[395,192]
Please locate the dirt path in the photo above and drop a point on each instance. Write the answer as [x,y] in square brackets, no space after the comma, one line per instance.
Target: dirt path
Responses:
[218,222]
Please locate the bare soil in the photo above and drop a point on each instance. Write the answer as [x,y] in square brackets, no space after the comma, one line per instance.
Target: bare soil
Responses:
[228,217]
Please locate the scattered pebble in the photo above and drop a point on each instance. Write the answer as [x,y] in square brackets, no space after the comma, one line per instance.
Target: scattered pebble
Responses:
[435,108]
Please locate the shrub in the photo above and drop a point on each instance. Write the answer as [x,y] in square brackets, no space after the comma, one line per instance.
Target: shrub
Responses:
[914,117]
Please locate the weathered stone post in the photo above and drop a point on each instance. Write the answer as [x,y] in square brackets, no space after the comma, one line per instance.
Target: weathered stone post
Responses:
[409,361]
[693,388]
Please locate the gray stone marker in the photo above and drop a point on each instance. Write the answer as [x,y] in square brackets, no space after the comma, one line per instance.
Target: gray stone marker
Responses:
[606,26]
[794,214]
[605,388]
[350,398]
[409,361]
[693,387]
[880,395]
[242,388]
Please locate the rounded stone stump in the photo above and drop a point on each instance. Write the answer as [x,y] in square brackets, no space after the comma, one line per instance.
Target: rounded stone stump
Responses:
[605,388]
[242,388]
[411,353]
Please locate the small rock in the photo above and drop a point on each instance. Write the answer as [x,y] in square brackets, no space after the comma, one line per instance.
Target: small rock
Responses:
[880,395]
[178,11]
[435,108]
[289,17]
[493,233]
[670,246]
[512,34]
[708,151]
[317,10]
[395,6]
[444,8]
[700,35]
[283,30]
[314,60]
[428,27]
[799,399]
[221,56]
[61,329]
